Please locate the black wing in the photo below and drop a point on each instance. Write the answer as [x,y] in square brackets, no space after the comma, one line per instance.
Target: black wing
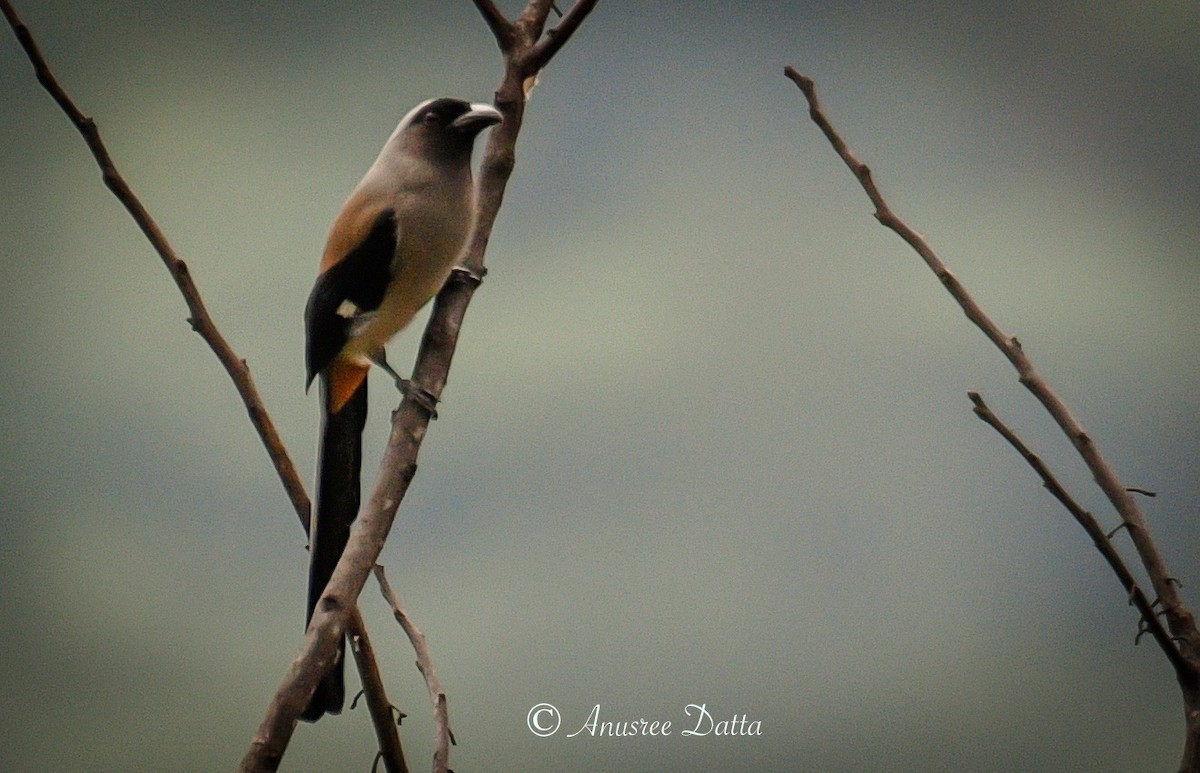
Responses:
[360,279]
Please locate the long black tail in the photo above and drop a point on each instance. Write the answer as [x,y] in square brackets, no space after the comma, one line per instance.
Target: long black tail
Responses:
[338,464]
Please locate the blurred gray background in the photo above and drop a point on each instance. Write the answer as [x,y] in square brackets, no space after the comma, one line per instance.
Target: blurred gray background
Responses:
[706,438]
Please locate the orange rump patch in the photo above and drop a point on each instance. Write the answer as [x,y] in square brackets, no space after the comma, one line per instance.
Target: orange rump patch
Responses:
[344,380]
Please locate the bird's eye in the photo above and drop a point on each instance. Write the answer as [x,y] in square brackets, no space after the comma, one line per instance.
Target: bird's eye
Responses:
[430,118]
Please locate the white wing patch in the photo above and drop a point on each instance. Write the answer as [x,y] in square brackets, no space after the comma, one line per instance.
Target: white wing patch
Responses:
[347,310]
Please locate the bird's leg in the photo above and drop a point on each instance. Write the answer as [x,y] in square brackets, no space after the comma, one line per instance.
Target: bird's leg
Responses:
[380,359]
[406,388]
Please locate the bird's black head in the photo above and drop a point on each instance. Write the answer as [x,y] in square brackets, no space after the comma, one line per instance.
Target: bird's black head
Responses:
[446,126]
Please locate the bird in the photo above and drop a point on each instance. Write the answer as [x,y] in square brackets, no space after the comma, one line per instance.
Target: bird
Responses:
[389,251]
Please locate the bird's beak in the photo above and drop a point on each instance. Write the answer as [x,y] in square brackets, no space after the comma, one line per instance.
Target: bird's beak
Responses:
[478,118]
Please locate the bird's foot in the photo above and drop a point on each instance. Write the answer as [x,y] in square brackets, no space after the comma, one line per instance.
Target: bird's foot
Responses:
[422,397]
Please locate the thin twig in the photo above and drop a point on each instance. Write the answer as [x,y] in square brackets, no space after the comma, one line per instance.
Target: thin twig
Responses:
[1180,619]
[1086,520]
[378,705]
[200,320]
[239,373]
[442,735]
[548,46]
[409,425]
[329,619]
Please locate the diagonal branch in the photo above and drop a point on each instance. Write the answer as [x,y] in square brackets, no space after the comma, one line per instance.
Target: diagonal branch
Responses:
[558,35]
[330,617]
[239,372]
[1089,524]
[525,40]
[378,705]
[409,423]
[442,735]
[501,27]
[200,320]
[1180,619]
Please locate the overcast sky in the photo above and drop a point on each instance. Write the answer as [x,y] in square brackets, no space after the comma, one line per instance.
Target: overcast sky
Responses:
[706,438]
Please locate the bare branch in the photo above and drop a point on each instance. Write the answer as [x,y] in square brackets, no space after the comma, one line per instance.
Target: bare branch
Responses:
[239,373]
[1149,620]
[501,27]
[532,20]
[378,704]
[409,422]
[442,735]
[522,41]
[1180,620]
[557,36]
[200,320]
[329,618]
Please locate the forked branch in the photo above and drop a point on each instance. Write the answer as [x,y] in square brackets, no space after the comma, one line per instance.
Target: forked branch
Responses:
[1088,522]
[1182,646]
[1179,618]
